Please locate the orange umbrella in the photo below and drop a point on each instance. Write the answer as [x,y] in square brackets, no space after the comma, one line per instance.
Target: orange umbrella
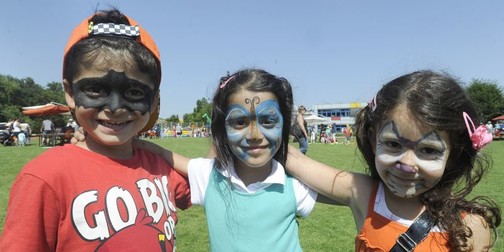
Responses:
[498,118]
[52,108]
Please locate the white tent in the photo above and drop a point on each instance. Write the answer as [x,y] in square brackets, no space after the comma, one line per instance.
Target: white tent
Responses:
[314,119]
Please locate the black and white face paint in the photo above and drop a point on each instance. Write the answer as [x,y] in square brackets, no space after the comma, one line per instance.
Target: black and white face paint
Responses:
[113,91]
[410,164]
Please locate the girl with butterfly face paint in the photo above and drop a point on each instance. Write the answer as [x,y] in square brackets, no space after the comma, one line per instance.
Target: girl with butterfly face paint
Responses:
[424,155]
[250,202]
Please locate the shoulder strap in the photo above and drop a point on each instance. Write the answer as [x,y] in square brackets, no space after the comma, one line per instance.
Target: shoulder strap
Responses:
[415,234]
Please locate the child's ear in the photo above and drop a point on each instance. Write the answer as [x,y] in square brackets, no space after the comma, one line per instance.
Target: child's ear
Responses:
[371,134]
[69,97]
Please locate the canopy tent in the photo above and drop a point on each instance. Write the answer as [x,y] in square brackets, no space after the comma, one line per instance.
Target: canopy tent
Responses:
[498,118]
[52,108]
[315,119]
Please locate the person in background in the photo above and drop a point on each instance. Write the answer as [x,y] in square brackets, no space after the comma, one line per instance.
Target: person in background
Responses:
[302,136]
[47,130]
[25,127]
[179,130]
[312,135]
[16,129]
[347,131]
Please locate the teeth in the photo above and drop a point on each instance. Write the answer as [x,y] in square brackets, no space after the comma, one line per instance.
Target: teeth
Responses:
[113,124]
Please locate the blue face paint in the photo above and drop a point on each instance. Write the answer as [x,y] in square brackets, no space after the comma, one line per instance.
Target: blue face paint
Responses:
[254,128]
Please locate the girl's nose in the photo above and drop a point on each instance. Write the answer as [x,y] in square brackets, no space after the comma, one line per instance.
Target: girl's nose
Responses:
[255,133]
[407,162]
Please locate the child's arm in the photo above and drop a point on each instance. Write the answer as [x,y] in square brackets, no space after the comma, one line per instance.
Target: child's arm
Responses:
[481,238]
[177,161]
[338,185]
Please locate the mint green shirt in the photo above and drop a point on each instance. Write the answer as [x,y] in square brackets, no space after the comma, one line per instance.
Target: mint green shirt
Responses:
[261,221]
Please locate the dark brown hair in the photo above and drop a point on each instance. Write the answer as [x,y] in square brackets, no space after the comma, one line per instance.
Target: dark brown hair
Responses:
[255,80]
[438,101]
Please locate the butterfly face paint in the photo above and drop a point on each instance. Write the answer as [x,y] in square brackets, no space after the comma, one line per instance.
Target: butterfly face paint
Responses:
[408,161]
[254,128]
[113,91]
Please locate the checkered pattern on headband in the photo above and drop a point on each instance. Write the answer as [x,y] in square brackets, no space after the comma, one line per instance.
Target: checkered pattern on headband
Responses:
[117,29]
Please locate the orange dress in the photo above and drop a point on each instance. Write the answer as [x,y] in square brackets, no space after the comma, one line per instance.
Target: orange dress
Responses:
[379,233]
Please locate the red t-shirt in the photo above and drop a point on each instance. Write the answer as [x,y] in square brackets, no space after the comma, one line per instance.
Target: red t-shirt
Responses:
[72,199]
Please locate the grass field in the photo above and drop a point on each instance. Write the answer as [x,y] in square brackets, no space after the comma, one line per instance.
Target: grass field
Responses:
[328,228]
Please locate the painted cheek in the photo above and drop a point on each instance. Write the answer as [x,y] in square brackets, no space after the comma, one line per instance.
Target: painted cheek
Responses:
[385,158]
[235,139]
[432,170]
[274,137]
[270,109]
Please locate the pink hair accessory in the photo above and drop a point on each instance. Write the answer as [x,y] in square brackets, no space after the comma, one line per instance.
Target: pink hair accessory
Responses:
[479,136]
[226,81]
[372,104]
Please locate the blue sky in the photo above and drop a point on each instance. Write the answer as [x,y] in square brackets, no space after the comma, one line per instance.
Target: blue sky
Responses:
[331,51]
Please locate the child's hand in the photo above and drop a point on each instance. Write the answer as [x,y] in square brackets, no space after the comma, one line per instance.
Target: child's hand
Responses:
[148,146]
[179,162]
[79,136]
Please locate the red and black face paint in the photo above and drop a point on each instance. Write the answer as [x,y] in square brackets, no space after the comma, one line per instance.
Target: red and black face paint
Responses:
[113,91]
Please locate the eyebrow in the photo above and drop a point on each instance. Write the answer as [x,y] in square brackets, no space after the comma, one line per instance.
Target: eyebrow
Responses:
[412,144]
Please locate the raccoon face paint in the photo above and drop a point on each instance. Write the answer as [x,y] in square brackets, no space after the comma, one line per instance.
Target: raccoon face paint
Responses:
[113,91]
[410,156]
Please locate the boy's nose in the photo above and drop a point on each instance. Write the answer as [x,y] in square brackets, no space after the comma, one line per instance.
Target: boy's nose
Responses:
[116,102]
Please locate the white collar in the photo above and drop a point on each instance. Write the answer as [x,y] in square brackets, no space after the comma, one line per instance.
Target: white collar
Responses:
[277,176]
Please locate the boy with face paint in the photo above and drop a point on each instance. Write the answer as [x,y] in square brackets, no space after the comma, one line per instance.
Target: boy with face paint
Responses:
[102,193]
[423,153]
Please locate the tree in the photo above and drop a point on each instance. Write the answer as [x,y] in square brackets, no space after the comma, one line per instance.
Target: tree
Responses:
[17,93]
[487,96]
[173,119]
[197,117]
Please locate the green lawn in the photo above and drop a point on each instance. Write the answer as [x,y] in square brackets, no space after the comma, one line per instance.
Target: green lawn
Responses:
[328,228]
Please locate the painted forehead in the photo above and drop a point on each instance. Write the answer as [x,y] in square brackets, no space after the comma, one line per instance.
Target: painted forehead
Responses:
[254,108]
[390,130]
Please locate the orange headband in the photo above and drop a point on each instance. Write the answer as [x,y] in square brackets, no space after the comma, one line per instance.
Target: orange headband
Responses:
[83,31]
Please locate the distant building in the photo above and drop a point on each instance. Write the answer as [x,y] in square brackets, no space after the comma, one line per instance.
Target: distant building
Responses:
[341,114]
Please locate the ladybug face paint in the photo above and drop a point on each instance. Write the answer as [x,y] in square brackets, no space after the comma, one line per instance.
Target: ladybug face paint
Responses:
[113,91]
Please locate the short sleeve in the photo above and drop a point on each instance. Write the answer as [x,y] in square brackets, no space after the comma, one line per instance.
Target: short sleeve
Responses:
[305,198]
[199,170]
[181,190]
[32,212]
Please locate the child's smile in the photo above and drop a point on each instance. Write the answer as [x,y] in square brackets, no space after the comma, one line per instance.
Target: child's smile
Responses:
[113,104]
[254,126]
[410,157]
